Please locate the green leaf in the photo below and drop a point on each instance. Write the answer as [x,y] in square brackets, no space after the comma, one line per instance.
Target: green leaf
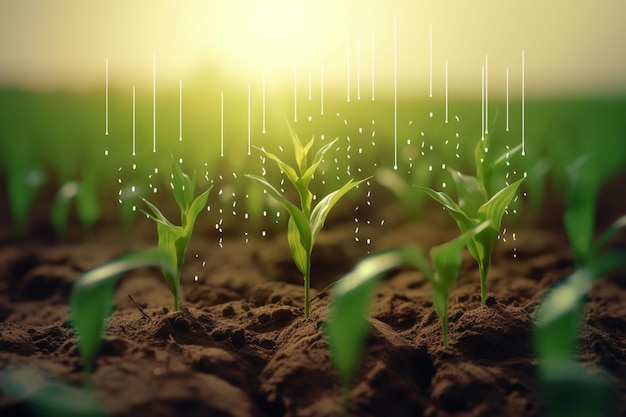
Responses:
[301,255]
[88,207]
[470,191]
[560,312]
[92,294]
[321,210]
[504,157]
[615,227]
[183,186]
[494,209]
[291,173]
[461,218]
[158,216]
[299,218]
[579,217]
[61,207]
[347,324]
[194,209]
[446,259]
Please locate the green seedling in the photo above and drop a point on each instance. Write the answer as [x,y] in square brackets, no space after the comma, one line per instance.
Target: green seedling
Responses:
[87,205]
[173,239]
[477,204]
[45,396]
[402,188]
[92,295]
[347,324]
[305,222]
[568,389]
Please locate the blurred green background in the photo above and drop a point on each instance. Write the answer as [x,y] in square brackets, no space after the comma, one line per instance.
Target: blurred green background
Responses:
[399,83]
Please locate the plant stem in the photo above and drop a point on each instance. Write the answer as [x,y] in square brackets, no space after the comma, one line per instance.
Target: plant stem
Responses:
[484,269]
[307,286]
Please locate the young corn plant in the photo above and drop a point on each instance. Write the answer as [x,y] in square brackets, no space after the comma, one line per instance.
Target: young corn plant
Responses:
[347,324]
[306,221]
[91,299]
[567,389]
[477,203]
[173,239]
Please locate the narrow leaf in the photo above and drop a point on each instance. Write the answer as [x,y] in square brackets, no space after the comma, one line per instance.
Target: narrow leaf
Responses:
[321,210]
[470,191]
[298,251]
[92,294]
[299,218]
[347,324]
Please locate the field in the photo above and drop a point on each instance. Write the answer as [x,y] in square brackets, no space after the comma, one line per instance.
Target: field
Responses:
[240,345]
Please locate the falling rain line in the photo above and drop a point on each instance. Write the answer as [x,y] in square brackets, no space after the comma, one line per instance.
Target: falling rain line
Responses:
[431,60]
[523,88]
[322,83]
[486,95]
[358,63]
[446,91]
[263,96]
[373,66]
[222,124]
[395,91]
[134,125]
[348,62]
[310,72]
[106,97]
[295,89]
[507,99]
[153,102]
[249,119]
[482,103]
[180,110]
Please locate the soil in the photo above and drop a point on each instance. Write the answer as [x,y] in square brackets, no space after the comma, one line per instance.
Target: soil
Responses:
[240,345]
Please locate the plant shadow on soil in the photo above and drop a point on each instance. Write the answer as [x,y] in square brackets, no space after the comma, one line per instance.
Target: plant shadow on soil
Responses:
[240,346]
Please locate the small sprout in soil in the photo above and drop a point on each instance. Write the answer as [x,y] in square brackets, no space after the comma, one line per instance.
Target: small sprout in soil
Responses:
[173,239]
[47,396]
[347,324]
[92,295]
[567,388]
[476,204]
[305,222]
[87,204]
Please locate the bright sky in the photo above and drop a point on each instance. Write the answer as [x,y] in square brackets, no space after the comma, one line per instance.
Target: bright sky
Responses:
[576,46]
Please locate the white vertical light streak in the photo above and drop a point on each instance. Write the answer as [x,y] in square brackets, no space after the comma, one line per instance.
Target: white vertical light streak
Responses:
[395,91]
[310,72]
[373,66]
[295,89]
[263,96]
[249,119]
[348,62]
[358,63]
[523,88]
[153,102]
[322,82]
[431,60]
[106,98]
[180,116]
[486,95]
[507,99]
[134,143]
[446,91]
[482,103]
[222,124]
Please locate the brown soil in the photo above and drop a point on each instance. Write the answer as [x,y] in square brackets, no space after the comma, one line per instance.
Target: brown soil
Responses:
[240,345]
